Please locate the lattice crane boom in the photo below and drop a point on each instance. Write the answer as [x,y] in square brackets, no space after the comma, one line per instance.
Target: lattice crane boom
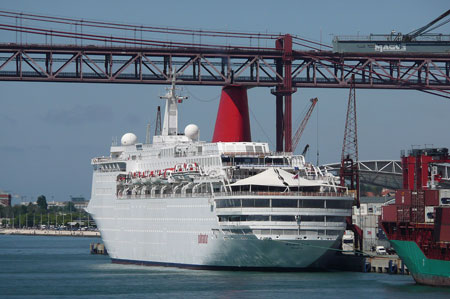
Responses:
[349,158]
[301,128]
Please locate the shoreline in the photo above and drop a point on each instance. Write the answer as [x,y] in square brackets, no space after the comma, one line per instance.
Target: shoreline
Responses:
[56,233]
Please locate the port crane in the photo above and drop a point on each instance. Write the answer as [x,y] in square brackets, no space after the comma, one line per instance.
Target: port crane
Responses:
[301,128]
[426,29]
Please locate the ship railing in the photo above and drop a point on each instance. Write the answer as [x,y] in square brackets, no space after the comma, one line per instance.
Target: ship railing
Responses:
[273,193]
[228,194]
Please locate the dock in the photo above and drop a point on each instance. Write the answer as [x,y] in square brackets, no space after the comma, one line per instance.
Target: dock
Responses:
[47,232]
[98,248]
[389,264]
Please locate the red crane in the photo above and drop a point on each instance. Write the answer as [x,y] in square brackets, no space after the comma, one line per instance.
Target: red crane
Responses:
[302,126]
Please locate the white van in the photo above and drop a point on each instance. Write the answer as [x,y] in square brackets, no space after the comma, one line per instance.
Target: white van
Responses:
[380,250]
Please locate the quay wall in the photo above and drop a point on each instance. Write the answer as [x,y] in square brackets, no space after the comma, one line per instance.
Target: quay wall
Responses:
[45,232]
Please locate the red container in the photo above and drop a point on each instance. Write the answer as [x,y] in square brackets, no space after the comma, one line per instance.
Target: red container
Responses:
[417,199]
[389,213]
[431,197]
[403,197]
[443,215]
[442,233]
[418,214]
[403,213]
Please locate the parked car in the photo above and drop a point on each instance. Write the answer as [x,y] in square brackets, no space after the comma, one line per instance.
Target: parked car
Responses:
[391,251]
[380,250]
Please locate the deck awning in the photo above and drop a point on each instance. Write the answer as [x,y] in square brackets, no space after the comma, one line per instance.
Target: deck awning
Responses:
[276,177]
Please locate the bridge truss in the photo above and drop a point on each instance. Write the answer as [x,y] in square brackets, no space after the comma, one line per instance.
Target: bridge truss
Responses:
[196,66]
[385,173]
[118,58]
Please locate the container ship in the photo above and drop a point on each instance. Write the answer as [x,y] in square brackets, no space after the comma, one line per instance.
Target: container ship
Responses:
[418,223]
[226,204]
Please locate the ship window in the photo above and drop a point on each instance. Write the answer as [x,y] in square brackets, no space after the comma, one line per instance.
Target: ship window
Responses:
[234,218]
[228,203]
[262,203]
[284,203]
[139,147]
[226,159]
[249,149]
[122,166]
[258,218]
[312,203]
[283,218]
[312,218]
[133,157]
[277,161]
[240,218]
[255,203]
[339,204]
[258,149]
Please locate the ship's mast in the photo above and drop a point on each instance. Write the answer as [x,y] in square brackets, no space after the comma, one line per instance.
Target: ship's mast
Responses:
[170,126]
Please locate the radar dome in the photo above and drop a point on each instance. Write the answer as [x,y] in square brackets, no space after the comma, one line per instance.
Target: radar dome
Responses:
[128,139]
[192,131]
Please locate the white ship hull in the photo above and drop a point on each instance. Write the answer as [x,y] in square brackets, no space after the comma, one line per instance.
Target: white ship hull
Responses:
[185,232]
[166,232]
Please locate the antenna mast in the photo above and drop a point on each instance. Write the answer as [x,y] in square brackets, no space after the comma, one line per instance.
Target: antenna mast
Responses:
[158,122]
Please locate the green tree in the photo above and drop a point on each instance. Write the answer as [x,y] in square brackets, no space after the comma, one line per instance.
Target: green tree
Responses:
[42,202]
[70,207]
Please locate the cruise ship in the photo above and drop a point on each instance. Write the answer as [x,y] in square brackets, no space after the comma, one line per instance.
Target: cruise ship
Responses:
[183,202]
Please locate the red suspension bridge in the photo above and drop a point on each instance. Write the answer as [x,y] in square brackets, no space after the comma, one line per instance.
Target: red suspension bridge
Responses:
[85,53]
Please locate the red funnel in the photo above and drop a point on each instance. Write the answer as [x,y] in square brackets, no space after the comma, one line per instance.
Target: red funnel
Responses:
[233,123]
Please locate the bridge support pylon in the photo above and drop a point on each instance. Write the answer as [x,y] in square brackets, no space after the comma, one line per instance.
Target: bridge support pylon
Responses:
[284,90]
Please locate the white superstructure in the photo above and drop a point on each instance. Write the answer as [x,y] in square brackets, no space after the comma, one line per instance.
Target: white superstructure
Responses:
[183,202]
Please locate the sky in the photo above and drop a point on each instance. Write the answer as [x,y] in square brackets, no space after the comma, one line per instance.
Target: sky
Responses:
[49,132]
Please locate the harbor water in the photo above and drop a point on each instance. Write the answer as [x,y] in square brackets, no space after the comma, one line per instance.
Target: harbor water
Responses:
[61,267]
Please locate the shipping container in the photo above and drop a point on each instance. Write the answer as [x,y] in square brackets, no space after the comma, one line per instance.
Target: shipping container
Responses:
[403,197]
[389,213]
[370,233]
[418,214]
[442,233]
[420,193]
[442,215]
[431,197]
[429,214]
[363,209]
[444,197]
[403,213]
